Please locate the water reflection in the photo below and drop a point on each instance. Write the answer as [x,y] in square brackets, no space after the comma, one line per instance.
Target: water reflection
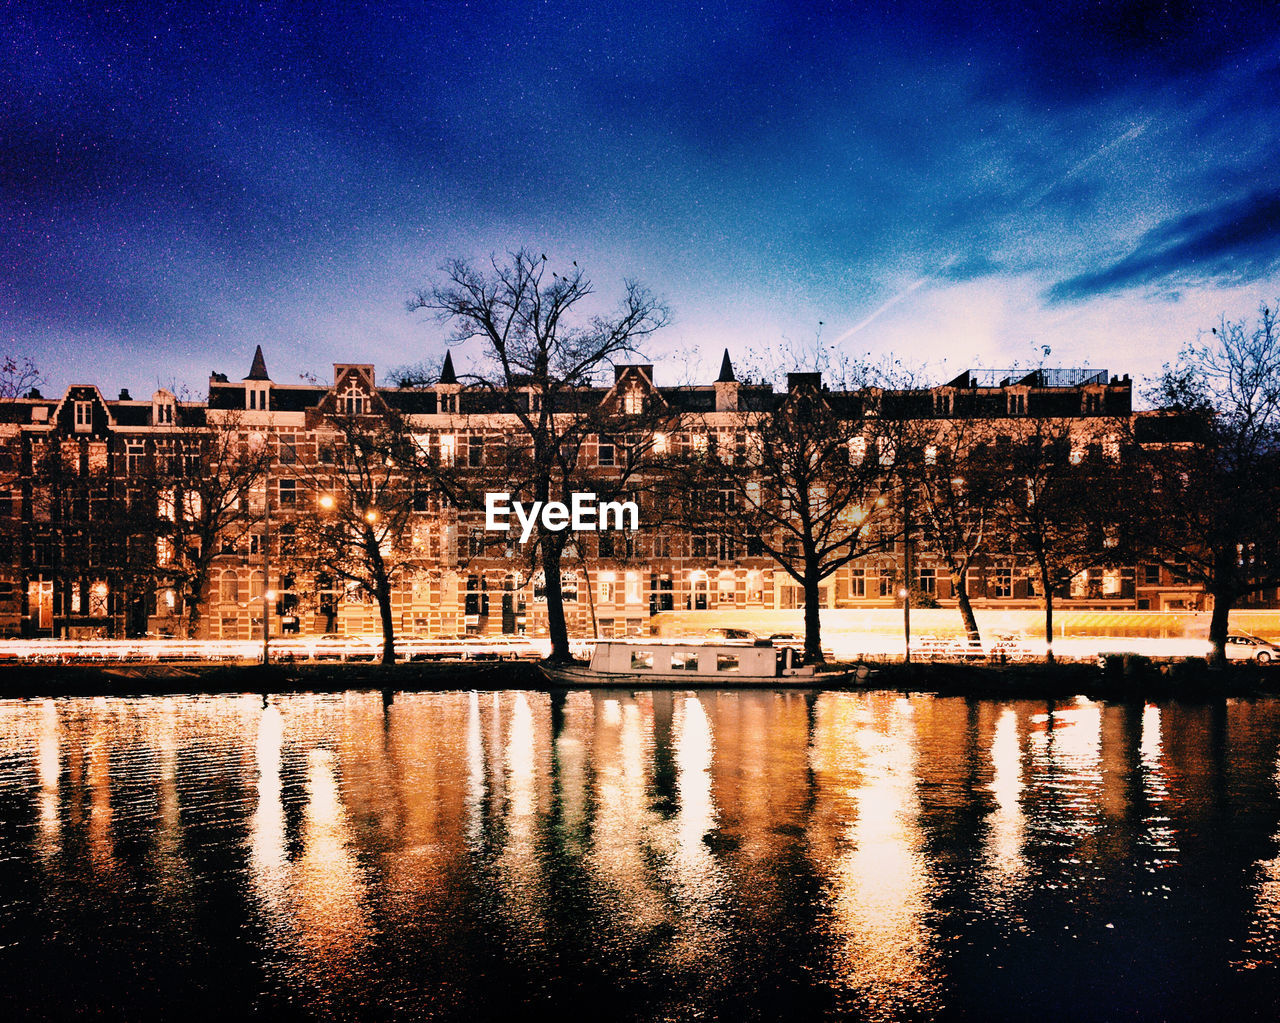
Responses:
[461,854]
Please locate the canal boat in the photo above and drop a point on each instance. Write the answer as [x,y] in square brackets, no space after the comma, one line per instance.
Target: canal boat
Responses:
[649,662]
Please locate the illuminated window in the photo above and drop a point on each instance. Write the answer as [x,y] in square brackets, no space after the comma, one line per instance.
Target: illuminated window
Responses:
[84,416]
[633,402]
[726,662]
[448,448]
[229,587]
[857,450]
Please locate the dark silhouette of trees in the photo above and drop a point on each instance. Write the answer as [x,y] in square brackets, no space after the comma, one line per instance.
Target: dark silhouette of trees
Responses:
[806,478]
[1212,458]
[540,352]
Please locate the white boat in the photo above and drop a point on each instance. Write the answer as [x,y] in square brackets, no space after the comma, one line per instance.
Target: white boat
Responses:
[645,662]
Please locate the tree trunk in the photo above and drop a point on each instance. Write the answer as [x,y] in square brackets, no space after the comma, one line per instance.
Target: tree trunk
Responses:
[388,626]
[556,624]
[1048,614]
[1218,626]
[966,608]
[812,620]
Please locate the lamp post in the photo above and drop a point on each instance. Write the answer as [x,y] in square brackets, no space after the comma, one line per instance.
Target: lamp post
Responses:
[906,572]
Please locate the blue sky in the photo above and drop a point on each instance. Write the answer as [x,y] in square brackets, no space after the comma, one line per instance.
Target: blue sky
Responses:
[952,187]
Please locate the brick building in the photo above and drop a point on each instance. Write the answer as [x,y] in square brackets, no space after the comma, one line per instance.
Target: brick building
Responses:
[94,494]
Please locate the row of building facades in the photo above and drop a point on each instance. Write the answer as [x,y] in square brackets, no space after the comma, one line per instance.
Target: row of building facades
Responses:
[70,561]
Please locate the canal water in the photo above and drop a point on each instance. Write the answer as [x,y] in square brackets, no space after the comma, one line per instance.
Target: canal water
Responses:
[618,855]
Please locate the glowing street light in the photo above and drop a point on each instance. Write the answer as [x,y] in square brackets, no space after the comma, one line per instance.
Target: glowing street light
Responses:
[326,501]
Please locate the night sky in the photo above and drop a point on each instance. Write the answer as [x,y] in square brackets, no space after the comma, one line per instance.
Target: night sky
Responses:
[951,185]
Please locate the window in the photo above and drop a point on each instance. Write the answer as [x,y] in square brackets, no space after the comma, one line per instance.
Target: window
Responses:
[84,416]
[448,448]
[229,587]
[134,456]
[641,660]
[944,402]
[633,588]
[857,450]
[605,587]
[633,402]
[569,587]
[352,401]
[1017,404]
[886,583]
[684,660]
[1151,575]
[927,581]
[659,443]
[857,582]
[726,662]
[257,398]
[931,454]
[288,450]
[661,595]
[98,599]
[475,451]
[1004,582]
[605,451]
[886,450]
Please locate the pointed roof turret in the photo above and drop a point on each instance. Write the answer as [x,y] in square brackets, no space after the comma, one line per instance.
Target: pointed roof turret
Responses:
[447,376]
[726,370]
[258,371]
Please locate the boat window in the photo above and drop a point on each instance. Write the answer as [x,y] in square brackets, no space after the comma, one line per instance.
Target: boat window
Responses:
[726,662]
[684,660]
[641,660]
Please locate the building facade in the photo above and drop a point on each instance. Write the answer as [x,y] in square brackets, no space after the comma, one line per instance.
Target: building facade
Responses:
[113,525]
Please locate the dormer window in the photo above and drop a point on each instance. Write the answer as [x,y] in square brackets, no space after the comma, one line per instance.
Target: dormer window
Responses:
[258,398]
[162,409]
[352,401]
[944,402]
[633,401]
[84,416]
[1017,404]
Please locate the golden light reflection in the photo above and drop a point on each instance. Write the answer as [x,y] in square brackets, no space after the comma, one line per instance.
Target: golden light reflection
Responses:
[328,888]
[476,787]
[268,860]
[1007,823]
[624,820]
[101,844]
[49,774]
[881,880]
[518,864]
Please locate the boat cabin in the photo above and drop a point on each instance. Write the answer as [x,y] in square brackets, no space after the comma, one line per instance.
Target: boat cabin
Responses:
[638,657]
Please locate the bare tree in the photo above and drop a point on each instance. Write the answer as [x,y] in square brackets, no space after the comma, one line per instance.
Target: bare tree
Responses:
[18,375]
[959,487]
[358,509]
[1213,465]
[540,352]
[1054,512]
[200,479]
[805,478]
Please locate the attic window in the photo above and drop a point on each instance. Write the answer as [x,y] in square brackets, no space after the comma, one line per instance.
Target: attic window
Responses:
[258,399]
[84,416]
[1017,404]
[632,401]
[164,413]
[352,401]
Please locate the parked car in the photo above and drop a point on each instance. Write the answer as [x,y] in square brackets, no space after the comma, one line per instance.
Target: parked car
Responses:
[1243,647]
[734,635]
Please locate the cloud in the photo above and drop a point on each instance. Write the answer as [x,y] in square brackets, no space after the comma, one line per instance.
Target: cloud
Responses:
[1234,242]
